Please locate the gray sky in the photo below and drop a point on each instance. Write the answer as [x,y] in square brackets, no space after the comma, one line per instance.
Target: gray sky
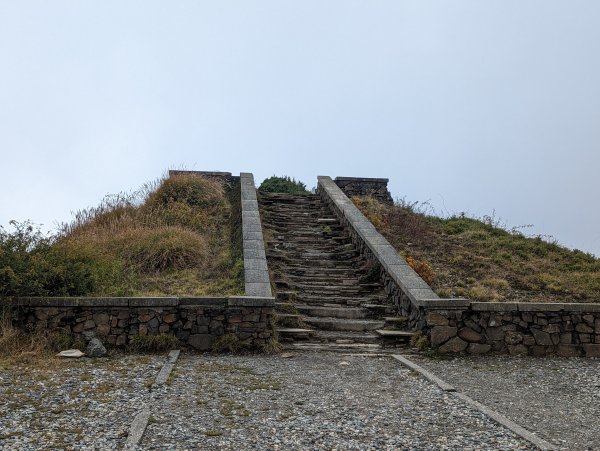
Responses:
[476,105]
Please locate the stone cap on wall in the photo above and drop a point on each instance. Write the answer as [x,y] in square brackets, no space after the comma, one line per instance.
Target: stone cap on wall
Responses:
[535,307]
[125,302]
[361,179]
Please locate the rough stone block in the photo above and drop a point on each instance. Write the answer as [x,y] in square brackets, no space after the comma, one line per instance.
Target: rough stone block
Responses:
[479,348]
[169,318]
[552,328]
[519,349]
[441,334]
[469,335]
[591,350]
[539,351]
[565,350]
[453,345]
[495,334]
[566,338]
[436,319]
[202,342]
[584,328]
[541,338]
[513,338]
[528,340]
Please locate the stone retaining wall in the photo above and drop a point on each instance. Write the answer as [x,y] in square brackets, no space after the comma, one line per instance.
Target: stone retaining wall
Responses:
[197,322]
[535,329]
[361,186]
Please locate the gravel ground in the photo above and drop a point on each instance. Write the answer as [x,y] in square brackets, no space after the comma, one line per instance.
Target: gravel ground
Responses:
[73,404]
[313,401]
[556,398]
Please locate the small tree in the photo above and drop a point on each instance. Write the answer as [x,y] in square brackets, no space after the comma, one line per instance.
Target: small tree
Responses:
[283,184]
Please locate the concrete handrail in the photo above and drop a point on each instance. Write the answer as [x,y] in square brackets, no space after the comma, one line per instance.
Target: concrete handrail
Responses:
[256,272]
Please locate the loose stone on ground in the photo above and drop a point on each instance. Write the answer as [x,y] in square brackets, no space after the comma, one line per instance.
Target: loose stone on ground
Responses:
[556,398]
[73,404]
[310,401]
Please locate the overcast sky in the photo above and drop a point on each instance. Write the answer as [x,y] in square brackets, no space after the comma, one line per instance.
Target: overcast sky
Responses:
[479,106]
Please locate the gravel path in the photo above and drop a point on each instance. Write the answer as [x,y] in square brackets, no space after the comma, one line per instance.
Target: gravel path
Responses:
[74,404]
[313,401]
[556,398]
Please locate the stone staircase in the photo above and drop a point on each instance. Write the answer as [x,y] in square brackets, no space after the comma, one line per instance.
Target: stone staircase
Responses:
[327,294]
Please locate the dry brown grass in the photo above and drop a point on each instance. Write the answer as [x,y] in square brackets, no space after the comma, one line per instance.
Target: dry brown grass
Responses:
[172,237]
[33,349]
[479,259]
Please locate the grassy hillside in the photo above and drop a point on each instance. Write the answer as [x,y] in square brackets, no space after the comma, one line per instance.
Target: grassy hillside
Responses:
[465,257]
[177,236]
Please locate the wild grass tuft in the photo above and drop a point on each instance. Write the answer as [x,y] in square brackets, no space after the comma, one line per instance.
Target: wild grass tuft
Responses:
[18,347]
[153,343]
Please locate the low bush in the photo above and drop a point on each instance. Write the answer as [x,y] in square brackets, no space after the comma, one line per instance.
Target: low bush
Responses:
[283,184]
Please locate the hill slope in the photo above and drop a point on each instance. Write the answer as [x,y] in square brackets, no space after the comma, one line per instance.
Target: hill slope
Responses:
[466,257]
[177,236]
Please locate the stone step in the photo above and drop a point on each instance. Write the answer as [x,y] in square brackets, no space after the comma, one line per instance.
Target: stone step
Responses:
[315,280]
[342,324]
[320,296]
[320,300]
[351,348]
[289,320]
[309,241]
[321,278]
[307,225]
[395,322]
[314,256]
[331,272]
[294,333]
[346,337]
[332,312]
[380,309]
[285,307]
[328,290]
[391,337]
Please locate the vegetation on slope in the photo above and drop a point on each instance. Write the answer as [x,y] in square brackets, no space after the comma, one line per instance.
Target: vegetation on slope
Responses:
[283,184]
[177,236]
[465,257]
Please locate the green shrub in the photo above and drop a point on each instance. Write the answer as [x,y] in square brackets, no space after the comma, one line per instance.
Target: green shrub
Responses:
[283,184]
[33,264]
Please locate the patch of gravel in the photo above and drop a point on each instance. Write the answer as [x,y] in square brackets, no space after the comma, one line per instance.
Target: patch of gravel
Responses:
[73,404]
[556,398]
[313,401]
